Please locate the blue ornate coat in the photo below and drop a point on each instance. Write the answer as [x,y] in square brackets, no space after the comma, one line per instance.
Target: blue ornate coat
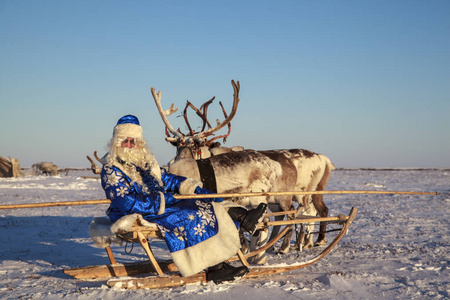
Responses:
[199,233]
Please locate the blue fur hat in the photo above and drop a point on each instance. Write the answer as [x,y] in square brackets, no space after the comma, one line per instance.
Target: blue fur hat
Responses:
[128,126]
[128,119]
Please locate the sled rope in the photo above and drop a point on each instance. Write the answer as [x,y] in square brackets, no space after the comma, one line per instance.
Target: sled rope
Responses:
[126,247]
[219,195]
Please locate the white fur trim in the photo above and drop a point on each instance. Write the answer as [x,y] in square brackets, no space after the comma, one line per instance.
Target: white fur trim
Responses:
[128,130]
[228,204]
[103,231]
[162,205]
[188,186]
[224,245]
[100,232]
[126,223]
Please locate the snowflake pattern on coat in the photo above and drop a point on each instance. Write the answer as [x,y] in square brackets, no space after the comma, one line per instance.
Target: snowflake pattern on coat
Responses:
[184,223]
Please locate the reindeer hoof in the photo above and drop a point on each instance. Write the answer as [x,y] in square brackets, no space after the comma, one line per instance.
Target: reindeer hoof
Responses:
[258,260]
[283,251]
[320,243]
[308,246]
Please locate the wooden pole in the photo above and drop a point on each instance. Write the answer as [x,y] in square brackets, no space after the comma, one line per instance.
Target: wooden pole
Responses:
[49,204]
[256,194]
[222,195]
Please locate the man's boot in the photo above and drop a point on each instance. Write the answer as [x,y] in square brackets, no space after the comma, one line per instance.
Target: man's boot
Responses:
[225,272]
[249,219]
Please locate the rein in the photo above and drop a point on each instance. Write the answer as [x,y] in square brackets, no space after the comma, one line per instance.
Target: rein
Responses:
[207,175]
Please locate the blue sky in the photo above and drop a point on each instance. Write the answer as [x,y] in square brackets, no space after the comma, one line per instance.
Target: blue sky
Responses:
[366,83]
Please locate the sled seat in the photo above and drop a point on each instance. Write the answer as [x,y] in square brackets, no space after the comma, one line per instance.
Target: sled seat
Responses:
[140,234]
[133,228]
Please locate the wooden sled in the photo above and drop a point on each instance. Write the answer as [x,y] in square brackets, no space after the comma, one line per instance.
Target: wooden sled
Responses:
[165,273]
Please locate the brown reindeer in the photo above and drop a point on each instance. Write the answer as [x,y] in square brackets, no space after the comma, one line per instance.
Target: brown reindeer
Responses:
[244,171]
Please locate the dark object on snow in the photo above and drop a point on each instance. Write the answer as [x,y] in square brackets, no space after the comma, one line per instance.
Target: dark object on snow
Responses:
[225,272]
[9,167]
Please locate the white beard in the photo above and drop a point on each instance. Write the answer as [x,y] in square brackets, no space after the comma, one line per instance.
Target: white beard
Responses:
[132,156]
[139,157]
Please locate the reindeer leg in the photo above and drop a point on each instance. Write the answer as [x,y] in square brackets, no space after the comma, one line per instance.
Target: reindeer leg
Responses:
[322,210]
[257,242]
[244,242]
[285,246]
[308,244]
[320,206]
[300,239]
[275,229]
[286,242]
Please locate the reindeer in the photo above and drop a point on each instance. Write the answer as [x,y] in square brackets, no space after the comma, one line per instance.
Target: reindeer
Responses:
[313,173]
[247,170]
[46,168]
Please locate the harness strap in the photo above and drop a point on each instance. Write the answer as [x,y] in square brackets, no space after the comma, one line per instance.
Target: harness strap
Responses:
[207,175]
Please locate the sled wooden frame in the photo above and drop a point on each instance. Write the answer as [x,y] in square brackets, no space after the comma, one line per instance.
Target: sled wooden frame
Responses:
[167,274]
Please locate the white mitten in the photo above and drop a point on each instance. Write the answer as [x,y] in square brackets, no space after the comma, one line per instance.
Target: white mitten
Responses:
[188,186]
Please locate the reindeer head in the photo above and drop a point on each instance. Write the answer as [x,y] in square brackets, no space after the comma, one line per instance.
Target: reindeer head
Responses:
[196,141]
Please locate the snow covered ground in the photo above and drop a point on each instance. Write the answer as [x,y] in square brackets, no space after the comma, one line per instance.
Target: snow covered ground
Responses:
[397,248]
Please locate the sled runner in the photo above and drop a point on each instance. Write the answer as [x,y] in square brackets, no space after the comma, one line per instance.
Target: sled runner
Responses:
[165,273]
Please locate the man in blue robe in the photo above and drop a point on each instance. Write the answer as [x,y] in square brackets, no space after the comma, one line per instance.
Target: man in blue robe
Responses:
[200,233]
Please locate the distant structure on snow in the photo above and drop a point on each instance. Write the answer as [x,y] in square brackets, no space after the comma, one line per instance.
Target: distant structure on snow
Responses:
[10,167]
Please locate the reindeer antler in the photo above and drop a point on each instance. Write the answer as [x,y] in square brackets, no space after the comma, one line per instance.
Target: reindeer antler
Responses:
[228,119]
[164,114]
[199,112]
[224,136]
[193,137]
[94,168]
[204,109]
[96,156]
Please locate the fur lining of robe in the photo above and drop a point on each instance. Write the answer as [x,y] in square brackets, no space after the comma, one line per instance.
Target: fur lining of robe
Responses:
[224,245]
